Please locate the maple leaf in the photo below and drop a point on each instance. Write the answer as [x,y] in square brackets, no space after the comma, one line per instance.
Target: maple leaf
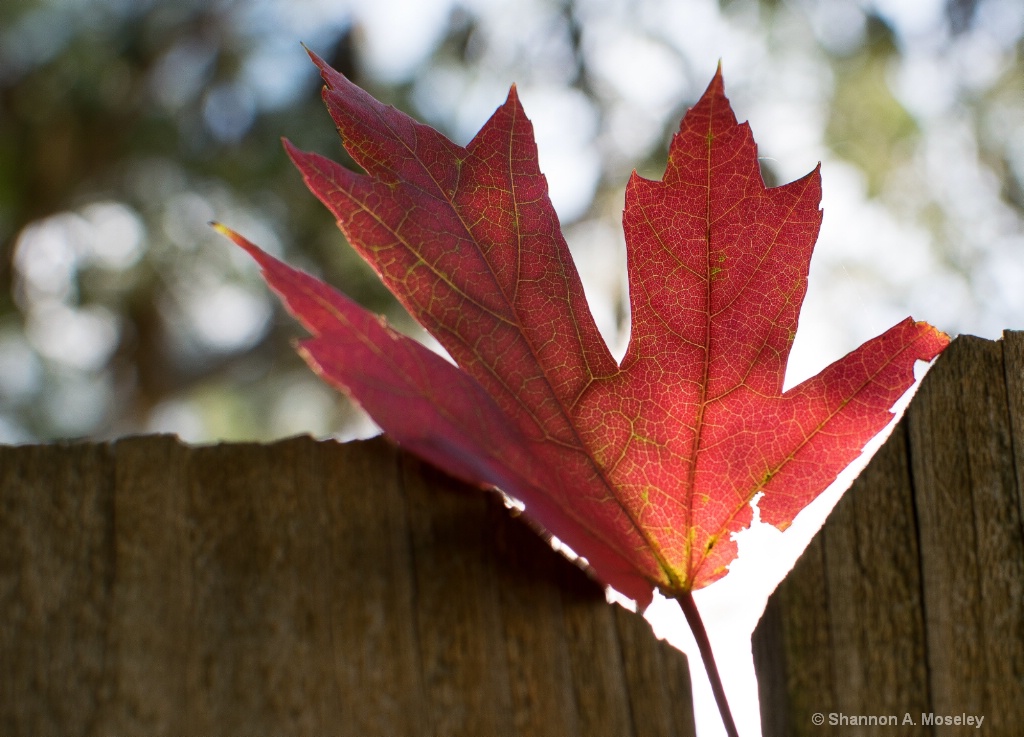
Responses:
[647,467]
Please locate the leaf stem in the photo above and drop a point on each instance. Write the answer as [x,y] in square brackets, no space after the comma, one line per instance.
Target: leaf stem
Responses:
[689,607]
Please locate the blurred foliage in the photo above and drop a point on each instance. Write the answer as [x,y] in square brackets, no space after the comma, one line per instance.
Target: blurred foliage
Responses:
[145,108]
[867,125]
[126,126]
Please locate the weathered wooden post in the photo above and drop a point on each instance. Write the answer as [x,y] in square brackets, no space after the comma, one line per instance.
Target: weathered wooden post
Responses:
[910,601]
[304,587]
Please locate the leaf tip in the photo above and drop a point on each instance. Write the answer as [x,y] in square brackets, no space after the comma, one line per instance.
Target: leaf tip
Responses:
[237,239]
[314,57]
[930,341]
[222,229]
[332,77]
[290,148]
[938,340]
[513,97]
[718,81]
[714,91]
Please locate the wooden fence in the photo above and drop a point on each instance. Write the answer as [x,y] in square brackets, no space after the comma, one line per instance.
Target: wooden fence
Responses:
[301,588]
[316,588]
[910,601]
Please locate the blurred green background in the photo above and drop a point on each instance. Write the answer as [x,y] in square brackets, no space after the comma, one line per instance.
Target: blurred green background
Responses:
[126,126]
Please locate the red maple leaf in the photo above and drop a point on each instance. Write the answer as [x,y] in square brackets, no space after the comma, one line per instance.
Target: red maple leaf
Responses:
[647,467]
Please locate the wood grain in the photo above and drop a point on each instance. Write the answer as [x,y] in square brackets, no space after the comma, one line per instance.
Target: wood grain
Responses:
[911,598]
[308,587]
[303,587]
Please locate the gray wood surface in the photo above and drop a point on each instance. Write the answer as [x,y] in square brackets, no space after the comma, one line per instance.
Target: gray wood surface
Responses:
[147,587]
[911,598]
